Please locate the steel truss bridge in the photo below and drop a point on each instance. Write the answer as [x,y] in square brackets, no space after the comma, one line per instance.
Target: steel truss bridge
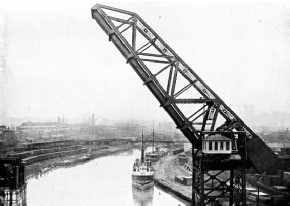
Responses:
[194,107]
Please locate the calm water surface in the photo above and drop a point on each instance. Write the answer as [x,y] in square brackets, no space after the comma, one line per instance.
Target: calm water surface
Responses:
[103,181]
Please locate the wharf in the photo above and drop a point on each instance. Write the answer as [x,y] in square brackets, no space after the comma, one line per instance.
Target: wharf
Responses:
[166,169]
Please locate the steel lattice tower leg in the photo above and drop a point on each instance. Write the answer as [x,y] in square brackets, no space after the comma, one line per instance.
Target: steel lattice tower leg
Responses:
[217,182]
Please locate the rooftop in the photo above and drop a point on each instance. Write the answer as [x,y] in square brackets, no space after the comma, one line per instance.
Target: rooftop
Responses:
[216,137]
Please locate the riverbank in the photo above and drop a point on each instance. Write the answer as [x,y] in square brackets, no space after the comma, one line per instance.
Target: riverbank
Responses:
[166,169]
[102,181]
[38,168]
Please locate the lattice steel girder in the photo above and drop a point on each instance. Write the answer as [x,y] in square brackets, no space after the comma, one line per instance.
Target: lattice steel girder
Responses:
[12,172]
[215,182]
[170,79]
[127,53]
[223,165]
[10,160]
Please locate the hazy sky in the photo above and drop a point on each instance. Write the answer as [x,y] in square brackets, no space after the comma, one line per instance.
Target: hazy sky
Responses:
[61,62]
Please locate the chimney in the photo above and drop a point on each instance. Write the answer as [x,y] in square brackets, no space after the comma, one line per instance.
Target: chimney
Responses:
[93,119]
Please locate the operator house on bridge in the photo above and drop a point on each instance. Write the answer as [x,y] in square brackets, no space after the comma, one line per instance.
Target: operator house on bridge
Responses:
[217,144]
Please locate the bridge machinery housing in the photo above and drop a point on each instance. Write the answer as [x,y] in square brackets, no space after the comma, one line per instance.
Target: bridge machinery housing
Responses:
[199,113]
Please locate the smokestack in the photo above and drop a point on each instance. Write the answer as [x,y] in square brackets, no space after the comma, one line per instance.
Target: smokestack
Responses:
[58,120]
[93,119]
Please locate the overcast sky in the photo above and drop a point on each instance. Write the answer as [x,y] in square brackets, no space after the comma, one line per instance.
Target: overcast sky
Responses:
[61,62]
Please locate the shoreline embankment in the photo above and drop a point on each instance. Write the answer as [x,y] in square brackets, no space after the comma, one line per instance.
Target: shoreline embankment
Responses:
[166,169]
[38,168]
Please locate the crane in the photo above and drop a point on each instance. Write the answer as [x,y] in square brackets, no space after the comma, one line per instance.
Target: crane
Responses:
[194,107]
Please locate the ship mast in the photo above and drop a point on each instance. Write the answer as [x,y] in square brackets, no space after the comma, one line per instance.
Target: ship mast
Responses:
[153,138]
[142,150]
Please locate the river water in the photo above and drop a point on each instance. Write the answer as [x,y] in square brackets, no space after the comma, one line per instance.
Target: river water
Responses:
[102,181]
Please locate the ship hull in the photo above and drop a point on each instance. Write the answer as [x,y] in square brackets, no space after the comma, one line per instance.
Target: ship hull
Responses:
[143,186]
[142,182]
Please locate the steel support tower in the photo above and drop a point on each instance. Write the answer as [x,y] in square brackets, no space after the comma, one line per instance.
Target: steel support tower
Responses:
[194,107]
[220,179]
[12,173]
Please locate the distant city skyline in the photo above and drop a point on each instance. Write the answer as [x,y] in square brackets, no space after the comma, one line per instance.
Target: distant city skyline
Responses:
[265,121]
[59,62]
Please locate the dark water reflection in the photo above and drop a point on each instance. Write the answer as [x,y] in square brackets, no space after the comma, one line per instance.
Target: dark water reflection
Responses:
[142,197]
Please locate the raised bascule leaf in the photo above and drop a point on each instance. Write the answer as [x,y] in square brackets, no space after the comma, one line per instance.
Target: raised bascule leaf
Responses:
[194,107]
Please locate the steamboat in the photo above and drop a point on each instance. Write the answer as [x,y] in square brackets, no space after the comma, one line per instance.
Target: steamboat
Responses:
[143,172]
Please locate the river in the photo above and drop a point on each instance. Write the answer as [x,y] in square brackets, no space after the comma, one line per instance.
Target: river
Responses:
[102,181]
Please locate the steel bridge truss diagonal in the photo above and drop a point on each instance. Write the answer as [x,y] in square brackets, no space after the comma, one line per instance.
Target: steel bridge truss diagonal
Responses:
[193,106]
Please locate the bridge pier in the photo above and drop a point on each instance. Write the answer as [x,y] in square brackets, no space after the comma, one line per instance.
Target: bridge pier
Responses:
[15,197]
[12,173]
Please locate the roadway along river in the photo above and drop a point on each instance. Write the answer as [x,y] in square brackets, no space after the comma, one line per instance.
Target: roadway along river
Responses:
[104,181]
